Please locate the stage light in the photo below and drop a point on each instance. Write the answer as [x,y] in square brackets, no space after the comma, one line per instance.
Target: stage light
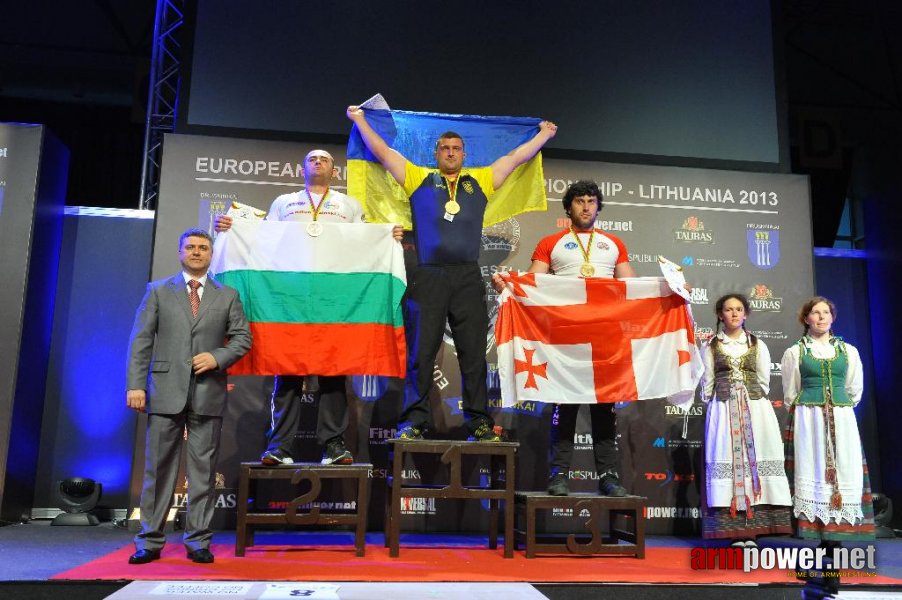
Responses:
[77,496]
[883,516]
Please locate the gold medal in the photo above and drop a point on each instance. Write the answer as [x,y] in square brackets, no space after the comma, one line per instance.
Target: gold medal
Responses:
[452,207]
[587,270]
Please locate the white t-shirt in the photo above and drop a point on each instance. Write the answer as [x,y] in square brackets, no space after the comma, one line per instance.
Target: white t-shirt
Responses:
[296,206]
[563,254]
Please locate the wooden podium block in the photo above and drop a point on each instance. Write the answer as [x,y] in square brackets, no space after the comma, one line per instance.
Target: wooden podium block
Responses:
[501,455]
[252,472]
[628,509]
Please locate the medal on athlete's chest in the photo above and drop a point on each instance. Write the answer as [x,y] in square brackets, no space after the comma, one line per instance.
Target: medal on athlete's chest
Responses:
[314,227]
[452,207]
[586,269]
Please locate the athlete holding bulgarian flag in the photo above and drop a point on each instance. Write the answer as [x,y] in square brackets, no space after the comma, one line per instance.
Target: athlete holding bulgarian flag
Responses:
[316,204]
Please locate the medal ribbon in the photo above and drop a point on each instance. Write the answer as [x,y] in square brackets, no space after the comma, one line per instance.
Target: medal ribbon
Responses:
[316,207]
[582,248]
[452,187]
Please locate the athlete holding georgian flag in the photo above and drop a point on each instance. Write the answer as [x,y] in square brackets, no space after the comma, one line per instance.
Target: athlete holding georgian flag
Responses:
[582,250]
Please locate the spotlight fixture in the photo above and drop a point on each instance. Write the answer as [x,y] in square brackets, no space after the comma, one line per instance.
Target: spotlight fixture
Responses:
[883,516]
[77,496]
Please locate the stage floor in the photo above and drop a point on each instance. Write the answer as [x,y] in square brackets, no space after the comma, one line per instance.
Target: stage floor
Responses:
[36,552]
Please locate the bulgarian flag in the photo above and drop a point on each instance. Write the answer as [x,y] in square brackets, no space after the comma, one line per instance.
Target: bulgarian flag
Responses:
[570,340]
[323,305]
[413,134]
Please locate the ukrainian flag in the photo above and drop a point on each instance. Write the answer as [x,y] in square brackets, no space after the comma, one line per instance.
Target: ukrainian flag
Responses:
[414,134]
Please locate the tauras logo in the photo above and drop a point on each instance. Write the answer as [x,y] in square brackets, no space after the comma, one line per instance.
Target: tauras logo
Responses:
[696,410]
[223,500]
[693,230]
[762,299]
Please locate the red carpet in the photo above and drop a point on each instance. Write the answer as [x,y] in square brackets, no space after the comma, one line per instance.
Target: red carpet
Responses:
[328,563]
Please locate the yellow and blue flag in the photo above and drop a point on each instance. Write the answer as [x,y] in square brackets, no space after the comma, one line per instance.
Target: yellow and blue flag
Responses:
[414,134]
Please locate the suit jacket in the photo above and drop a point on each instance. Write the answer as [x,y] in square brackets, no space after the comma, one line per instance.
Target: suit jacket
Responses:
[166,336]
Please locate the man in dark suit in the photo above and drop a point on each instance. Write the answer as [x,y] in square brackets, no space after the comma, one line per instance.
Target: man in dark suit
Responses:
[188,330]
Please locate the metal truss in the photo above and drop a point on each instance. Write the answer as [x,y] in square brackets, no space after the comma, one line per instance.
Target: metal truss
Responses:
[162,95]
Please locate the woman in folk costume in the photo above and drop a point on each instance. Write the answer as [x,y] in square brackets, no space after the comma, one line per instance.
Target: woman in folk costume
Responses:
[747,493]
[822,380]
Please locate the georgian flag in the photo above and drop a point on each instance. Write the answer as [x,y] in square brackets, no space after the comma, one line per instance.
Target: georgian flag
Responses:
[570,340]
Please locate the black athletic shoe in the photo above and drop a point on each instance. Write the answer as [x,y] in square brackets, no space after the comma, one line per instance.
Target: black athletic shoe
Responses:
[558,485]
[336,453]
[276,457]
[610,486]
[485,433]
[411,432]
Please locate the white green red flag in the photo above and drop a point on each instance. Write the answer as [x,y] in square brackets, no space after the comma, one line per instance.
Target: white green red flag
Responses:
[570,340]
[328,304]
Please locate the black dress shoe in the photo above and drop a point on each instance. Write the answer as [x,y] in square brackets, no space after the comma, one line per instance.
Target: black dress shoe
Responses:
[200,556]
[143,556]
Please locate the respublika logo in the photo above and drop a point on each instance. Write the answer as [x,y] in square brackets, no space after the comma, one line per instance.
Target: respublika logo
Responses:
[800,562]
[643,258]
[763,245]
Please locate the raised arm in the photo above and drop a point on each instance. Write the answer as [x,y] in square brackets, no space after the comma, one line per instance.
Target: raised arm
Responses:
[505,165]
[393,161]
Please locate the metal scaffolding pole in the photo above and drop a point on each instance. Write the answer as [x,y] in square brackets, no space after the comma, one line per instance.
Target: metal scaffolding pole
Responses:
[162,95]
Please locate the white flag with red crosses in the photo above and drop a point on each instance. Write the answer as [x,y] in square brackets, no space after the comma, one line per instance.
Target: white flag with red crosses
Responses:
[580,341]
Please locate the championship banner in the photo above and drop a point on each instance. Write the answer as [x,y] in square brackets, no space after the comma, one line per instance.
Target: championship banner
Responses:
[321,298]
[413,134]
[570,340]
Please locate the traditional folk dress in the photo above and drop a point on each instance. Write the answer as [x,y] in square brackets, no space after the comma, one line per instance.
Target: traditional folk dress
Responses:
[824,458]
[746,489]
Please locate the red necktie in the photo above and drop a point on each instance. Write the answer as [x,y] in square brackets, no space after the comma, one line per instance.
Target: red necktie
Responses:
[194,297]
